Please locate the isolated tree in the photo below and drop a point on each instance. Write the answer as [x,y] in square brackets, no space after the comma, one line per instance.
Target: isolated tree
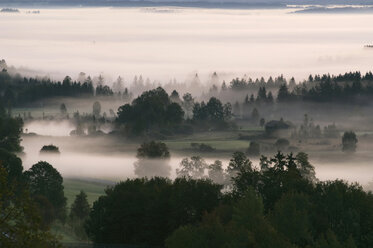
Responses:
[153,150]
[174,97]
[188,103]
[63,109]
[50,149]
[193,168]
[349,141]
[79,213]
[153,160]
[96,109]
[46,181]
[80,207]
[255,115]
[216,172]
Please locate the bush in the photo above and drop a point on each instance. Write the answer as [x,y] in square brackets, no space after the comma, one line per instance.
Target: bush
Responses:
[50,149]
[202,147]
[153,150]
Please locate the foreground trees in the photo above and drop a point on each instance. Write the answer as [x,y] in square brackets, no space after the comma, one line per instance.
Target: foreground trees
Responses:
[20,225]
[45,184]
[23,223]
[143,211]
[279,203]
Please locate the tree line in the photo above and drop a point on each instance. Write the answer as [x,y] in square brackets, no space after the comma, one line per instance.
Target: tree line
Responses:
[18,91]
[351,87]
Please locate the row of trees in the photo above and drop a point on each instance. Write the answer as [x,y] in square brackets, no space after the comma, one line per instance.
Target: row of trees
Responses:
[348,88]
[155,110]
[18,91]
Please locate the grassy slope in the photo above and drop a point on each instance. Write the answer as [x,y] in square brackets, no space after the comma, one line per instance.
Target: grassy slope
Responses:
[72,187]
[91,188]
[225,143]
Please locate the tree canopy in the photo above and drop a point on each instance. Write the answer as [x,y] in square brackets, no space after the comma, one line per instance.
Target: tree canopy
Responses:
[151,110]
[44,180]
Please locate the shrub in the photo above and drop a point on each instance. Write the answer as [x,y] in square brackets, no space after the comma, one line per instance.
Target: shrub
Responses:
[50,149]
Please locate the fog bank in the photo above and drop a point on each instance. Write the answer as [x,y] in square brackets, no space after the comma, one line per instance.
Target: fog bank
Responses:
[163,43]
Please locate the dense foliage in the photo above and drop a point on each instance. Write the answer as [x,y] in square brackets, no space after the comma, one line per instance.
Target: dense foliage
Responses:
[10,132]
[50,149]
[152,110]
[153,150]
[142,211]
[45,183]
[279,203]
[17,90]
[24,217]
[20,224]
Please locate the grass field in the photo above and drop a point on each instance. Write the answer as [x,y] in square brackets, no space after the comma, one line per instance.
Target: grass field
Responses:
[92,188]
[224,143]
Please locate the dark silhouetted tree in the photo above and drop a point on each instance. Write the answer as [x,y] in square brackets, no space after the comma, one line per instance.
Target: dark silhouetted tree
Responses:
[349,141]
[46,181]
[96,109]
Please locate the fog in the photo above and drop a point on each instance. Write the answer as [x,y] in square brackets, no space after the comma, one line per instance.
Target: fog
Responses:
[106,158]
[165,43]
[50,128]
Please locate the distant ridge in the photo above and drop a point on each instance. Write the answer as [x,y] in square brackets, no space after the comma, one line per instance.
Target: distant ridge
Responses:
[179,3]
